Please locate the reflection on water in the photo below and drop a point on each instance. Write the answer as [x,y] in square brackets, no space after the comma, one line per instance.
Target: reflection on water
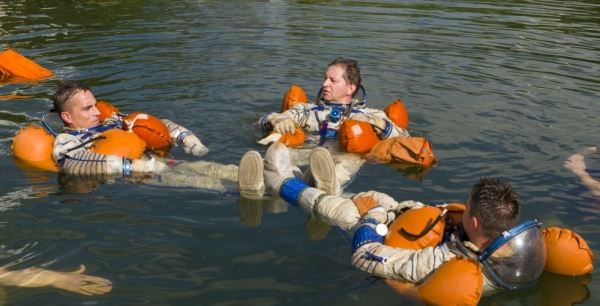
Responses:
[504,89]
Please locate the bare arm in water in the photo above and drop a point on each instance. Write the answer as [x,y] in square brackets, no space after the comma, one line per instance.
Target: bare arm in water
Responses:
[576,163]
[74,281]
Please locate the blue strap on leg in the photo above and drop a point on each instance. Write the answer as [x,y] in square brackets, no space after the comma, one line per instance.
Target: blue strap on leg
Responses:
[291,190]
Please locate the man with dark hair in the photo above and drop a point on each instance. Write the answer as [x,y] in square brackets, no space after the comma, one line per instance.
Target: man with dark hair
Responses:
[321,120]
[76,105]
[490,215]
[340,87]
[494,204]
[351,75]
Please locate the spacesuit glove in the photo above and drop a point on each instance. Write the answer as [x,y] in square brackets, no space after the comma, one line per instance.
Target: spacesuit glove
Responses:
[192,145]
[284,125]
[277,167]
[152,165]
[380,199]
[377,213]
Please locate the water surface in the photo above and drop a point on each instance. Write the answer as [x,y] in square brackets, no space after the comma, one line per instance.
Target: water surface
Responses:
[507,89]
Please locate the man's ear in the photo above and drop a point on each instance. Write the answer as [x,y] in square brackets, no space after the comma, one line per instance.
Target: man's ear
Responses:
[351,89]
[66,117]
[475,222]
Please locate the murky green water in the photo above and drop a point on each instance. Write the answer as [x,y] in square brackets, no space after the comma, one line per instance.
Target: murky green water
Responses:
[505,89]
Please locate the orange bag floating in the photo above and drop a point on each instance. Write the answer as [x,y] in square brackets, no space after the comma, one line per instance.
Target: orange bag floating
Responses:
[106,109]
[456,282]
[357,136]
[413,150]
[567,252]
[15,65]
[294,95]
[416,228]
[293,140]
[149,128]
[120,143]
[397,112]
[33,145]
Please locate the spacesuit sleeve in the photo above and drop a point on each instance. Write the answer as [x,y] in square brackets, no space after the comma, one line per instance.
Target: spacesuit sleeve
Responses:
[397,263]
[79,160]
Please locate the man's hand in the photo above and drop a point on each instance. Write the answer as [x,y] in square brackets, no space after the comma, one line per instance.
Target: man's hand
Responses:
[192,145]
[74,281]
[77,282]
[152,165]
[575,163]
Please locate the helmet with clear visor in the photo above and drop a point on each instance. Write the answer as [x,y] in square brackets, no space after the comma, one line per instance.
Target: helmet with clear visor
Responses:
[516,259]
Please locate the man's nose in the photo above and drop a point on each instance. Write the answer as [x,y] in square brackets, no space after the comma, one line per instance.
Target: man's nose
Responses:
[95,111]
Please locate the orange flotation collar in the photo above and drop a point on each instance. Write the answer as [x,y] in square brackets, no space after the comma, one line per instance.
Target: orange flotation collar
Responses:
[149,128]
[294,95]
[120,143]
[106,109]
[33,146]
[357,136]
[397,112]
[417,228]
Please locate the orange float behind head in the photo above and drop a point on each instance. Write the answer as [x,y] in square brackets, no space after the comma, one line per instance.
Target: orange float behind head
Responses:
[294,95]
[120,143]
[357,136]
[293,140]
[106,109]
[407,230]
[397,112]
[33,145]
[13,64]
[149,128]
[567,253]
[456,282]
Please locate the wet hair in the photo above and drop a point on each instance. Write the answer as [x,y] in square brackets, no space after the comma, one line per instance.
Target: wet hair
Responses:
[352,72]
[65,92]
[496,205]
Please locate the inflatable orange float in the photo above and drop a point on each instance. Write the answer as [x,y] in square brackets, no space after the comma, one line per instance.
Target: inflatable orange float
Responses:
[149,128]
[397,112]
[33,146]
[120,143]
[294,95]
[106,109]
[357,136]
